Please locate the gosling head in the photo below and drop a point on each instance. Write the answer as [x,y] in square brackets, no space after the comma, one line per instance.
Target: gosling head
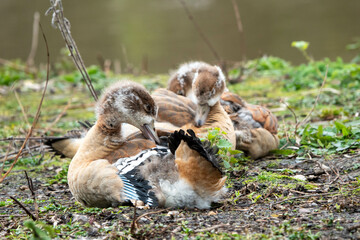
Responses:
[127,102]
[181,82]
[208,85]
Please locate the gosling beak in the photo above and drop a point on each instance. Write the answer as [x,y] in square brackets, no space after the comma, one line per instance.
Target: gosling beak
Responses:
[201,114]
[150,133]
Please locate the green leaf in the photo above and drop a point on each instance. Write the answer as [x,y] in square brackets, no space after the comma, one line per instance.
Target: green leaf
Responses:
[38,234]
[227,164]
[223,143]
[320,143]
[320,131]
[301,45]
[284,152]
[341,127]
[233,152]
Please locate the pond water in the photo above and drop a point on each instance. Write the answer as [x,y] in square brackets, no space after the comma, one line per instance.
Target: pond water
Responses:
[160,31]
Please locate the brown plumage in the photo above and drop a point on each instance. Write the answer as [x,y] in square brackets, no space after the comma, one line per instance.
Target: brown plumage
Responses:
[133,142]
[201,113]
[235,106]
[247,119]
[154,176]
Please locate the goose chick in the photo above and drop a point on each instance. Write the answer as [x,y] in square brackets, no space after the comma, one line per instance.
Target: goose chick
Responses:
[201,114]
[154,176]
[181,81]
[134,98]
[255,126]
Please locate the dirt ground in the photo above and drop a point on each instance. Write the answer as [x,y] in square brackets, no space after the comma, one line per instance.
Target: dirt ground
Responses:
[329,211]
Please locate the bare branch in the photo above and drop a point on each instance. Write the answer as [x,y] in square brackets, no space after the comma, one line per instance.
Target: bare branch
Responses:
[34,41]
[37,112]
[63,24]
[23,207]
[198,29]
[32,190]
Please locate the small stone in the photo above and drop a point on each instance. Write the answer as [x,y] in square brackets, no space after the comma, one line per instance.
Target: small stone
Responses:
[211,213]
[305,210]
[300,177]
[23,187]
[80,218]
[173,213]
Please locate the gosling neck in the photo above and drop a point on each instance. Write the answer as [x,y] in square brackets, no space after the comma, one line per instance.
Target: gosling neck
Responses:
[97,144]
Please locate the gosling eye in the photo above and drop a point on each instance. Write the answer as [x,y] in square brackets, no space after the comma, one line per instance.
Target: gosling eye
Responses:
[147,108]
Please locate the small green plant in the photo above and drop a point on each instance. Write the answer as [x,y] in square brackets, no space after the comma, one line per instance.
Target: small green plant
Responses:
[40,230]
[328,140]
[61,177]
[289,232]
[230,162]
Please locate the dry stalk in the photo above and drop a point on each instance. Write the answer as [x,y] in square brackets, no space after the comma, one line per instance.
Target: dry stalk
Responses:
[5,158]
[23,207]
[34,41]
[240,26]
[63,24]
[18,67]
[305,196]
[316,100]
[32,190]
[133,223]
[37,112]
[306,119]
[22,108]
[198,29]
[213,227]
[149,213]
[59,116]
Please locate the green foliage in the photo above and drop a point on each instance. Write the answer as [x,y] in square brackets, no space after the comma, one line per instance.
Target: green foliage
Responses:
[95,74]
[40,231]
[289,232]
[13,71]
[332,139]
[269,66]
[355,46]
[230,162]
[61,177]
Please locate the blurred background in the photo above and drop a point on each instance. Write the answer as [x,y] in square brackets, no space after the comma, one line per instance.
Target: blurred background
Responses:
[158,33]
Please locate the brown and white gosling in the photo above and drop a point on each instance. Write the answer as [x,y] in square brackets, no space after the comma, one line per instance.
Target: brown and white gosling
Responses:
[201,113]
[183,175]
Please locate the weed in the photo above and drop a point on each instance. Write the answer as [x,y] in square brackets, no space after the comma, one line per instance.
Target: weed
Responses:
[232,159]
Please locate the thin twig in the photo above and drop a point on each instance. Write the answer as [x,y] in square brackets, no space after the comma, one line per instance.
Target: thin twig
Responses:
[293,113]
[133,223]
[12,215]
[5,158]
[59,116]
[26,151]
[37,112]
[149,213]
[32,190]
[240,28]
[23,207]
[198,29]
[317,98]
[22,108]
[18,67]
[237,16]
[212,228]
[63,24]
[34,41]
[304,196]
